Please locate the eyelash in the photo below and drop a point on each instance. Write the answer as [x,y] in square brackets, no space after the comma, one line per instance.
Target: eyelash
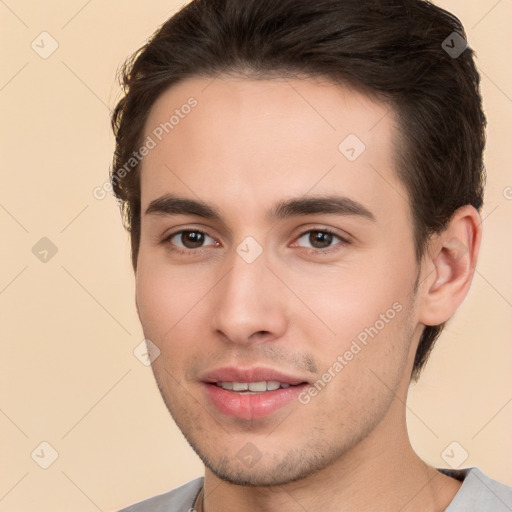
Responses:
[189,252]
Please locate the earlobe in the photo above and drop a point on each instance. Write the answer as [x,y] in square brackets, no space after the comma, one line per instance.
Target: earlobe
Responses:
[450,266]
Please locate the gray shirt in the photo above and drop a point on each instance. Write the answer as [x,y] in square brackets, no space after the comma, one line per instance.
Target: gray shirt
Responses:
[478,493]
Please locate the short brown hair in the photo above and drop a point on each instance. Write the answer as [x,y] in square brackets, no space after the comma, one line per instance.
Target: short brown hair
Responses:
[393,49]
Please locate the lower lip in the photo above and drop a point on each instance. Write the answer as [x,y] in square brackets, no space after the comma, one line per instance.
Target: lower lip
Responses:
[251,406]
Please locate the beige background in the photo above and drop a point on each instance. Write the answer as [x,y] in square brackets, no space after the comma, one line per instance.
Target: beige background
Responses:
[69,327]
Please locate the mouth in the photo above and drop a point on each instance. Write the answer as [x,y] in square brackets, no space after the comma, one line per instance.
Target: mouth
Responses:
[253,393]
[253,387]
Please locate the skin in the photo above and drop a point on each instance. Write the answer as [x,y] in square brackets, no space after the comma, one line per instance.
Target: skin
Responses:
[247,145]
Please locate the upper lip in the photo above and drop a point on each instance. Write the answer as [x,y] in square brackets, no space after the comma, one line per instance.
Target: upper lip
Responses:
[255,374]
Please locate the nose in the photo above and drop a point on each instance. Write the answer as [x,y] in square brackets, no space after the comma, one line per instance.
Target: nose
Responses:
[250,304]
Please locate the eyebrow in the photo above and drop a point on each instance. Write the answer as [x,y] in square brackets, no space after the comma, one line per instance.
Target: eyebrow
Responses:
[169,204]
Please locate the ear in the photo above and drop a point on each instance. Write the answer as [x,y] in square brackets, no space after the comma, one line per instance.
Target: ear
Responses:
[449,265]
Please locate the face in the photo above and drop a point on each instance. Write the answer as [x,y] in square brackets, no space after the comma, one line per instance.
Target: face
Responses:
[276,271]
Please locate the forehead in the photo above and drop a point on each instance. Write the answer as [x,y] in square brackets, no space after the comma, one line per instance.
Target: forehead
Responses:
[257,140]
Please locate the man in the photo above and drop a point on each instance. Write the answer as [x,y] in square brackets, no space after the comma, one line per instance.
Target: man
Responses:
[302,184]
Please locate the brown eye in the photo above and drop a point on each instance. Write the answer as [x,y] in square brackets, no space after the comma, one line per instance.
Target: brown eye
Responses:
[190,239]
[318,239]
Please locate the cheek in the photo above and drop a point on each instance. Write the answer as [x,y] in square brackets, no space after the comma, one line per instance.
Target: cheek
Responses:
[354,303]
[163,297]
[174,311]
[364,348]
[369,316]
[153,300]
[360,376]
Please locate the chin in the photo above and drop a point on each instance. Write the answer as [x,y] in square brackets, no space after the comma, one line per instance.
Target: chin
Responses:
[271,470]
[249,478]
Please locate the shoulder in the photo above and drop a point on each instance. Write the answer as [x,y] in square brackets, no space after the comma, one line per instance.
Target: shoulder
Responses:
[479,493]
[180,499]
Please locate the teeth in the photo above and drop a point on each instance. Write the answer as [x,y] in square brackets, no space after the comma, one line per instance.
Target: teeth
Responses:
[273,385]
[255,387]
[258,386]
